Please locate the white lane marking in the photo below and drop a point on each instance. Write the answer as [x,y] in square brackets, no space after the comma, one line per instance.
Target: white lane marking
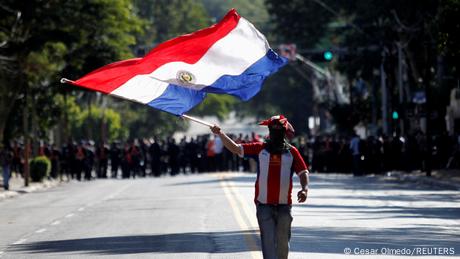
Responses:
[41,230]
[69,215]
[248,212]
[110,196]
[240,213]
[115,193]
[81,209]
[20,241]
[57,222]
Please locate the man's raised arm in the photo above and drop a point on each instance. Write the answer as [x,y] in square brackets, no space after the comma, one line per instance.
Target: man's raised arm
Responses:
[227,141]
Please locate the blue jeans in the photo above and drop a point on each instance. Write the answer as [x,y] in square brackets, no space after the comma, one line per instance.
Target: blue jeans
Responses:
[6,177]
[275,230]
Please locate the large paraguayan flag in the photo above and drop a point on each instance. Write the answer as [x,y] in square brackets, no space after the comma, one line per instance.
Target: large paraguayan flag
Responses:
[230,57]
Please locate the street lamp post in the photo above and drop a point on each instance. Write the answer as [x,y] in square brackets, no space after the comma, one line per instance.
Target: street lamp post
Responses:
[25,122]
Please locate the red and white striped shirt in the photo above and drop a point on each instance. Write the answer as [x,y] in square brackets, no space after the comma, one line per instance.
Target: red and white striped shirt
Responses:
[274,172]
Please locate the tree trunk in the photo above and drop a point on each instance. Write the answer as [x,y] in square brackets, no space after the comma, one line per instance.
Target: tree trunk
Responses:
[5,110]
[8,95]
[2,130]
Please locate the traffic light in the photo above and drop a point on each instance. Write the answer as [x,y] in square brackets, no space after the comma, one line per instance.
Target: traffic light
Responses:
[328,55]
[395,115]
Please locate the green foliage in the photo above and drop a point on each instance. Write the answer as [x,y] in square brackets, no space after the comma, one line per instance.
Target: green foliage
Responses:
[300,22]
[255,11]
[40,167]
[145,122]
[428,31]
[448,28]
[91,123]
[216,105]
[123,120]
[167,19]
[44,63]
[56,38]
[68,105]
[116,29]
[42,39]
[8,94]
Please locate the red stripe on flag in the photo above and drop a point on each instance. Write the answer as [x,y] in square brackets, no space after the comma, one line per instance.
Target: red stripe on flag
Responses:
[187,48]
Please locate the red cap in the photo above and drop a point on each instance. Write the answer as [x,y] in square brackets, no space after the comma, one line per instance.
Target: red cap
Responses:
[280,119]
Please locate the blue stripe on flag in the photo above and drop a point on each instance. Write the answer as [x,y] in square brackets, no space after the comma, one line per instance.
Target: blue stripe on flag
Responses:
[178,100]
[248,84]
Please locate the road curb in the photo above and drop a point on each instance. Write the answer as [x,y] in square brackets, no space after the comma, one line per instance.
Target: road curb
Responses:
[33,187]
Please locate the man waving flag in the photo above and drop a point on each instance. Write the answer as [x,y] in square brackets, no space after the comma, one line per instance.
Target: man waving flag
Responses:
[230,57]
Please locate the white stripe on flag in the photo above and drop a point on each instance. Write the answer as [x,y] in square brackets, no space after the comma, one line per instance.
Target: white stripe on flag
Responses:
[141,88]
[231,55]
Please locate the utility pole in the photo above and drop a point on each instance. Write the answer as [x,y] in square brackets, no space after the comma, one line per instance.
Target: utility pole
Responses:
[103,120]
[401,90]
[25,123]
[313,66]
[325,75]
[66,120]
[429,151]
[383,87]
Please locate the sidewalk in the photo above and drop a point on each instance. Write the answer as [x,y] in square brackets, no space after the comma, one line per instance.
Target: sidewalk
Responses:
[448,179]
[17,187]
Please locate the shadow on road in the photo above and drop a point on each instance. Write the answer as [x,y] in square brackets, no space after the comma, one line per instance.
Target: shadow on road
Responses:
[334,240]
[313,239]
[370,182]
[374,212]
[243,178]
[331,181]
[195,242]
[308,240]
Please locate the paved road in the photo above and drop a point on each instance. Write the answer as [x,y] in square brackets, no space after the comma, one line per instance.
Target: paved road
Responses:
[212,216]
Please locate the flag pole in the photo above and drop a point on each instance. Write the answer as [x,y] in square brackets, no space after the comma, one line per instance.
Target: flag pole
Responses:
[67,81]
[197,120]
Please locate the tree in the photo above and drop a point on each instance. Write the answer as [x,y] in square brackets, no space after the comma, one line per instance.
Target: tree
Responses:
[216,105]
[167,19]
[99,121]
[145,122]
[42,39]
[301,22]
[448,28]
[422,32]
[255,11]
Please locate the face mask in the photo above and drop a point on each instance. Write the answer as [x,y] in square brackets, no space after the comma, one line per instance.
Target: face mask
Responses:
[277,136]
[276,139]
